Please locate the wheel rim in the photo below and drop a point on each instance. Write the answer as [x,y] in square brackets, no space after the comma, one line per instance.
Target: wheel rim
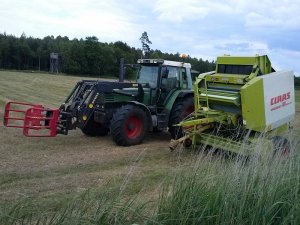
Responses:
[133,127]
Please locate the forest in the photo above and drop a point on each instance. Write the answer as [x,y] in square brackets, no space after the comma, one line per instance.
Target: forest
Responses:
[86,56]
[297,82]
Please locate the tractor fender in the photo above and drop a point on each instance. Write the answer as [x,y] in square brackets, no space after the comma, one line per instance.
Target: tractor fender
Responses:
[145,108]
[185,94]
[177,95]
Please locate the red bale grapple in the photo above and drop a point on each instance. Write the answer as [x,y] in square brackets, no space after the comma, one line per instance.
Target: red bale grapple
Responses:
[34,119]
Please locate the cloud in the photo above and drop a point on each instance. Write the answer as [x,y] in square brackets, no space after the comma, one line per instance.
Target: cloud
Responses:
[210,49]
[284,59]
[179,11]
[188,10]
[199,28]
[279,18]
[260,13]
[106,20]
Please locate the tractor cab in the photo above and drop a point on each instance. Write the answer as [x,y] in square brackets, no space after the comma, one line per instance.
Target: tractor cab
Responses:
[161,78]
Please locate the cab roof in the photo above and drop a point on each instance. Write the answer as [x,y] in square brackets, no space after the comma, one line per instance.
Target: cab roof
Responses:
[164,62]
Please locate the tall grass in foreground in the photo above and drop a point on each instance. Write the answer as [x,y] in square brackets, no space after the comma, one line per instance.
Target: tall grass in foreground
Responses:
[258,191]
[84,209]
[214,190]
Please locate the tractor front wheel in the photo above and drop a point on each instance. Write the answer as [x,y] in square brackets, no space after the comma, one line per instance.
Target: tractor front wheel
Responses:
[181,109]
[128,125]
[94,129]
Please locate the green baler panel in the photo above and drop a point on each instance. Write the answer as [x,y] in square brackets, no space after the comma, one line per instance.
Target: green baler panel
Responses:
[236,60]
[262,61]
[221,96]
[253,110]
[264,64]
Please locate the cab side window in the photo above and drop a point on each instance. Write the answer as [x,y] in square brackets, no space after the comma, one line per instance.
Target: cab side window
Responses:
[184,78]
[172,80]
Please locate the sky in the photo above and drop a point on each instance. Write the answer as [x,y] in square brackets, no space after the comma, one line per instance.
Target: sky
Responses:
[200,28]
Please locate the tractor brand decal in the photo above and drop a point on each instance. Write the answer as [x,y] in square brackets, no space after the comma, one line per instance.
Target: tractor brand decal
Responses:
[280,98]
[280,101]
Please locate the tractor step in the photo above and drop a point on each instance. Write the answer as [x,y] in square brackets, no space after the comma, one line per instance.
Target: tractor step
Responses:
[34,119]
[162,120]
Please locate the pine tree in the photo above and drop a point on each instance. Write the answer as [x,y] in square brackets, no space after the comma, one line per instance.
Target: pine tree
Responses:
[145,43]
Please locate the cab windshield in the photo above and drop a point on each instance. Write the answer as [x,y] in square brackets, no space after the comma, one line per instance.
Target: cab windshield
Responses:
[148,75]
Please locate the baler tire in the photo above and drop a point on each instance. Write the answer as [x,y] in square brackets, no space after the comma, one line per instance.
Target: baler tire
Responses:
[94,129]
[129,125]
[282,146]
[181,109]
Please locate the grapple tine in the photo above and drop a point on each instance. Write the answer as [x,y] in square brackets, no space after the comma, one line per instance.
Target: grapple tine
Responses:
[34,119]
[15,112]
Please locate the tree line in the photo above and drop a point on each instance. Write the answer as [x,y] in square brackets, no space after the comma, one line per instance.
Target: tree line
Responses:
[297,81]
[86,56]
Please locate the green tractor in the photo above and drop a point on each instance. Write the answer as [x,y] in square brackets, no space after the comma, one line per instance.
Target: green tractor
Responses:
[240,103]
[161,97]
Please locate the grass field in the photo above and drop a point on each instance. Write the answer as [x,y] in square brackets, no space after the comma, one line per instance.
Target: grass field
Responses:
[45,175]
[53,169]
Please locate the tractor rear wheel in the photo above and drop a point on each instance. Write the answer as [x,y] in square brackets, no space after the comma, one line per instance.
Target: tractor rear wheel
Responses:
[94,129]
[128,125]
[181,109]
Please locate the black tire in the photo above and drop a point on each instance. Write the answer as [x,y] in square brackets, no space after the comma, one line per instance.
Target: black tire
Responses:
[156,130]
[129,125]
[94,129]
[181,109]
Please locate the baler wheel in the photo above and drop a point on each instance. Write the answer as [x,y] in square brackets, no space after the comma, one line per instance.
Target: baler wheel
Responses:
[181,109]
[282,146]
[129,125]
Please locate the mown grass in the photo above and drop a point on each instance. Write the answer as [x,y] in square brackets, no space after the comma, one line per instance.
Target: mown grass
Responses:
[52,170]
[78,180]
[48,89]
[212,190]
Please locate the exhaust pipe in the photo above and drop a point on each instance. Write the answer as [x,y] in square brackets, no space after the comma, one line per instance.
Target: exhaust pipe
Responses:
[121,70]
